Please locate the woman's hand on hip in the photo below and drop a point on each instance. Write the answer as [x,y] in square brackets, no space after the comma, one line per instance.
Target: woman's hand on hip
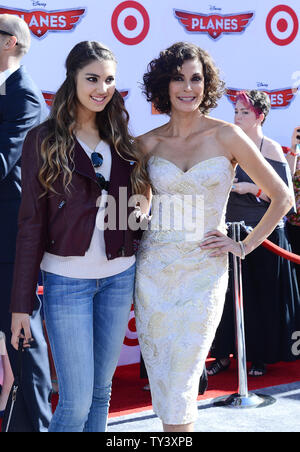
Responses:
[220,244]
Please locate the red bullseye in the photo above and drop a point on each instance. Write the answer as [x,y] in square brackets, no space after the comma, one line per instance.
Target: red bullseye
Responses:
[130,23]
[131,342]
[131,325]
[282,25]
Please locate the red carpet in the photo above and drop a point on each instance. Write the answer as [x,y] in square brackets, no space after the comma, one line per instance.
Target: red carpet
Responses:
[128,395]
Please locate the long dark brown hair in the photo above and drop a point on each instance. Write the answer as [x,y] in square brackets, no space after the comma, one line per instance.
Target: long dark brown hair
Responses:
[58,146]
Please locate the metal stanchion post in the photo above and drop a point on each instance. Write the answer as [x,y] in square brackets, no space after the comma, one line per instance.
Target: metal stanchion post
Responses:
[242,399]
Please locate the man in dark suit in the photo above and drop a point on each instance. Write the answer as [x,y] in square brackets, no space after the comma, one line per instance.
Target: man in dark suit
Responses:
[21,108]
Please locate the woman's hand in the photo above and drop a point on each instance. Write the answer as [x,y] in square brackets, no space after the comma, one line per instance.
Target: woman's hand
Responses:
[220,243]
[242,188]
[21,322]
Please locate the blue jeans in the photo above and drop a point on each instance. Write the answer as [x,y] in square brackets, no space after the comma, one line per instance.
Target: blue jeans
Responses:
[86,321]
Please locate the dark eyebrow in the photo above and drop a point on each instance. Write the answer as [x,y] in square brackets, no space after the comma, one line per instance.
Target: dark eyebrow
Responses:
[90,74]
[182,75]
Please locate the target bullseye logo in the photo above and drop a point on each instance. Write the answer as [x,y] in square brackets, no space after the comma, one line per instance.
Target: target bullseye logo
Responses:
[282,25]
[130,22]
[131,339]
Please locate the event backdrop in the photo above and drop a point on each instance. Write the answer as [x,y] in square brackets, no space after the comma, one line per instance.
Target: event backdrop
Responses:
[255,43]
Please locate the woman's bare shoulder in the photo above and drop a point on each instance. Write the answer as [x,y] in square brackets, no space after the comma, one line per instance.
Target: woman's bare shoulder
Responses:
[219,126]
[225,131]
[149,140]
[273,150]
[231,138]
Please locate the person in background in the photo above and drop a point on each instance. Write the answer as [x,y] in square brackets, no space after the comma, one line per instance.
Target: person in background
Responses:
[6,375]
[293,220]
[292,153]
[75,165]
[22,107]
[270,290]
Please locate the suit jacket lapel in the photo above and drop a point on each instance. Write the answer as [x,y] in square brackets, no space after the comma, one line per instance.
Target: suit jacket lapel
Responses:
[9,85]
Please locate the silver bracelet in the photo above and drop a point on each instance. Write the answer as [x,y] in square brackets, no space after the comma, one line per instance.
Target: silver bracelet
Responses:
[243,253]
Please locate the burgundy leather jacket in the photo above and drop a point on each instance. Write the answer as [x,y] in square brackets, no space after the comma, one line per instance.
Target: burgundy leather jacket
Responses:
[63,224]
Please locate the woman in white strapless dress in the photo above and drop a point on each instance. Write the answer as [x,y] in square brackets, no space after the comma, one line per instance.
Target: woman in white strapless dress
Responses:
[182,275]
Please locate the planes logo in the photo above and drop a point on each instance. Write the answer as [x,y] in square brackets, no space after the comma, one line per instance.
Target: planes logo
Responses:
[49,96]
[280,98]
[41,22]
[213,24]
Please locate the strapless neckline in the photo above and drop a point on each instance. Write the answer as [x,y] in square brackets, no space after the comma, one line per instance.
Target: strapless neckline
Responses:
[194,166]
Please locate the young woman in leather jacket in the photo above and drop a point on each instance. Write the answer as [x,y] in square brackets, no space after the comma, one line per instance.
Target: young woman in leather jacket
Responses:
[77,169]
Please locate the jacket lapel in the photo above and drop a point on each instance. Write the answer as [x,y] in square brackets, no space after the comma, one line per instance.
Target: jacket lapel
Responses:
[82,163]
[9,85]
[119,173]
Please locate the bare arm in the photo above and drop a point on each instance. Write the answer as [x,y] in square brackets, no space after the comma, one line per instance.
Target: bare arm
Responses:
[252,162]
[271,150]
[243,151]
[292,162]
[292,157]
[145,145]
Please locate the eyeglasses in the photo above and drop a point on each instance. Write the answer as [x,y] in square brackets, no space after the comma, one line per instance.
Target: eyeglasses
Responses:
[2,32]
[103,184]
[97,161]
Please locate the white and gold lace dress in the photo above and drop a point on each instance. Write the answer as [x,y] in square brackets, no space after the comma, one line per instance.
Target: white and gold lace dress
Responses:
[180,290]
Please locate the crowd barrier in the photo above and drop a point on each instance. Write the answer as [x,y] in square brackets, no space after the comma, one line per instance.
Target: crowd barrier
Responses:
[281,252]
[244,399]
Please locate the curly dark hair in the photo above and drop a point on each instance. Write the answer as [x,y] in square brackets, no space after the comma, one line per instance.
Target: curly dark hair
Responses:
[162,69]
[260,101]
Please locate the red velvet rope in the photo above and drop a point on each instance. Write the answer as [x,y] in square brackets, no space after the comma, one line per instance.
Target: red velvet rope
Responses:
[280,251]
